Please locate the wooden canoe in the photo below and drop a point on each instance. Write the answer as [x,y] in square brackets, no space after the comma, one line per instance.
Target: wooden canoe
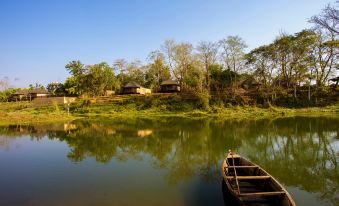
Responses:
[252,185]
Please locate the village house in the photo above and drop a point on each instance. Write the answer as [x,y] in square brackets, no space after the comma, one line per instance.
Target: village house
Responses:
[250,83]
[336,80]
[37,93]
[19,95]
[169,86]
[134,88]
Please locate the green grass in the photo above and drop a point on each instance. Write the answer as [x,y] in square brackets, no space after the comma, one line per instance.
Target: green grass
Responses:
[147,106]
[25,112]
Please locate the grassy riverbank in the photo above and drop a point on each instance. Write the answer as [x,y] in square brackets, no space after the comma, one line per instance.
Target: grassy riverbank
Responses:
[24,112]
[151,106]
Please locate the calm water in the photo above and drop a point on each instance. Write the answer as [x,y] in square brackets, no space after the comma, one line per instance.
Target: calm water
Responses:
[167,161]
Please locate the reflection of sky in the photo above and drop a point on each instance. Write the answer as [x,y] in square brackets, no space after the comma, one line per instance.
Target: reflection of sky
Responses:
[305,198]
[335,145]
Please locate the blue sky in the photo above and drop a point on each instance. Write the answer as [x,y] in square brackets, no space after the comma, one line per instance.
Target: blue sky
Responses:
[39,37]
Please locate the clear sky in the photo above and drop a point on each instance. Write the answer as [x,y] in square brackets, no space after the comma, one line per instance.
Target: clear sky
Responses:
[39,37]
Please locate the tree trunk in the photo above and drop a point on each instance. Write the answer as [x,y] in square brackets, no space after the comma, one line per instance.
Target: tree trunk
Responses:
[309,92]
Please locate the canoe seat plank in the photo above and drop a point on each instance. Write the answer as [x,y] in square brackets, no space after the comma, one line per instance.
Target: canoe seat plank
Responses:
[241,167]
[249,177]
[262,193]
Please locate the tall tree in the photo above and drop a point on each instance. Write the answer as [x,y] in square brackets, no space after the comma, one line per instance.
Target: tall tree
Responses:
[233,53]
[56,88]
[120,66]
[76,84]
[325,53]
[325,57]
[182,61]
[136,72]
[207,55]
[75,68]
[100,77]
[4,83]
[183,64]
[328,19]
[157,70]
[169,49]
[261,61]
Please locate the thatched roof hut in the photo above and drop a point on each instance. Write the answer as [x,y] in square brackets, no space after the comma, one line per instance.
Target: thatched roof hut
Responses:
[21,94]
[134,88]
[132,85]
[250,83]
[38,93]
[169,86]
[336,80]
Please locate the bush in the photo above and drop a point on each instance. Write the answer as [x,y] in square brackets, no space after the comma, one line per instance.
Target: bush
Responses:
[203,99]
[6,94]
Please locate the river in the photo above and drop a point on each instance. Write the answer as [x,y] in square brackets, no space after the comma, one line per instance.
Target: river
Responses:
[163,161]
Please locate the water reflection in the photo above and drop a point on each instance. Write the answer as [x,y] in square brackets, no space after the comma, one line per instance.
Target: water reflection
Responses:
[300,152]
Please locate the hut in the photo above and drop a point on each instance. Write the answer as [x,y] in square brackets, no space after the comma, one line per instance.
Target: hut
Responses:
[336,80]
[250,83]
[169,86]
[38,93]
[134,88]
[19,95]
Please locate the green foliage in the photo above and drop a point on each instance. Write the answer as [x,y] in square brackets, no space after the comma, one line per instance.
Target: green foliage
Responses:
[36,85]
[6,94]
[92,80]
[72,86]
[56,89]
[157,71]
[222,78]
[204,98]
[193,78]
[99,78]
[76,84]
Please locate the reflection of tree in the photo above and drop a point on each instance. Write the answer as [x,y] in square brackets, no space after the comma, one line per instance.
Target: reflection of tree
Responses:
[298,151]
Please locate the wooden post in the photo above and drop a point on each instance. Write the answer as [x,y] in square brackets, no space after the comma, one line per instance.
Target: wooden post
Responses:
[235,174]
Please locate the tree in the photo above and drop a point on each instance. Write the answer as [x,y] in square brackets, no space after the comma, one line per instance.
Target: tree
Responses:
[56,88]
[120,66]
[262,64]
[286,62]
[135,72]
[324,58]
[233,53]
[183,59]
[4,83]
[168,48]
[72,86]
[75,68]
[76,84]
[221,78]
[157,70]
[36,85]
[207,55]
[328,19]
[325,53]
[91,79]
[6,94]
[100,77]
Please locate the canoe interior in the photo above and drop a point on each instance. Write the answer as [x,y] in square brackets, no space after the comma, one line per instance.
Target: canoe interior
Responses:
[257,187]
